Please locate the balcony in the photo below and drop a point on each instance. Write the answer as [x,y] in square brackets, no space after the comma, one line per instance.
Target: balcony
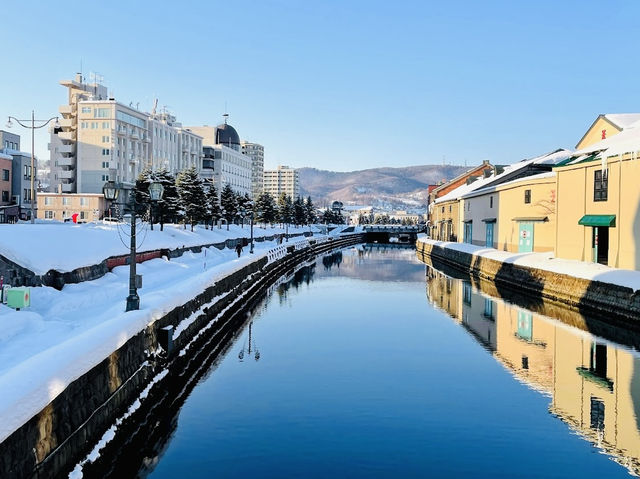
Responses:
[67,123]
[66,161]
[66,149]
[67,135]
[135,135]
[68,187]
[66,109]
[67,174]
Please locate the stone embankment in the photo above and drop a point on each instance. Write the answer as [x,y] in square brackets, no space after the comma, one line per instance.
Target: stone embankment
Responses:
[587,296]
[147,370]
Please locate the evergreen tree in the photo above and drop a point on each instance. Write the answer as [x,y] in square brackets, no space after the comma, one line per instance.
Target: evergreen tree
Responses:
[285,209]
[310,211]
[213,205]
[299,216]
[192,196]
[167,207]
[228,204]
[244,206]
[265,209]
[141,192]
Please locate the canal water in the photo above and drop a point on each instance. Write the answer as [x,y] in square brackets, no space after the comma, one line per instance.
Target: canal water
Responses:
[370,363]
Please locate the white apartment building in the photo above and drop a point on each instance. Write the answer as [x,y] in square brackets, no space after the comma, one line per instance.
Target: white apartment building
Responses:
[256,153]
[100,139]
[223,161]
[172,146]
[282,180]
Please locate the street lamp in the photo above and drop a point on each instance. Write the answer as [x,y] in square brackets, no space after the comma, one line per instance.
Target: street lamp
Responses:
[251,217]
[110,191]
[33,128]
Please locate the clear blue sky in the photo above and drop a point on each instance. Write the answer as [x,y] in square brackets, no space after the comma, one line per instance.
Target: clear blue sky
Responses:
[340,85]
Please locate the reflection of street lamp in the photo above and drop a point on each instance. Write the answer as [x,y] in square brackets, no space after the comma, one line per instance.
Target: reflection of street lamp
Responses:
[286,231]
[110,191]
[33,128]
[242,351]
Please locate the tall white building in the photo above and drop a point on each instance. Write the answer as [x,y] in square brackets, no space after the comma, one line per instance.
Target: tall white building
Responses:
[101,139]
[223,161]
[282,180]
[256,153]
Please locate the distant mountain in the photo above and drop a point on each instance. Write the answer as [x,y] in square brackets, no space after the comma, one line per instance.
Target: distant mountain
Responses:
[402,188]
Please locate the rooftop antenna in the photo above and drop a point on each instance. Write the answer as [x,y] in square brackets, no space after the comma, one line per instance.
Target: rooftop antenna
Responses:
[226,117]
[155,105]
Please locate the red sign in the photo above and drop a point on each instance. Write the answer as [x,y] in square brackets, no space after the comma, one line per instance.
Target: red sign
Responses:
[604,134]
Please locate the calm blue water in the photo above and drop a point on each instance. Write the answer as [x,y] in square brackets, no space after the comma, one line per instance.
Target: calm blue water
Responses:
[370,368]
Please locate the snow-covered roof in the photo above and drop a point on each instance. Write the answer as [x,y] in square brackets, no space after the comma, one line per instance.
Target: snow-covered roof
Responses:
[482,191]
[552,158]
[628,140]
[623,120]
[4,156]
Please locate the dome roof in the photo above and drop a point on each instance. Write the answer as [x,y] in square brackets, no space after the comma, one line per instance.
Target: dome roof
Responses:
[227,135]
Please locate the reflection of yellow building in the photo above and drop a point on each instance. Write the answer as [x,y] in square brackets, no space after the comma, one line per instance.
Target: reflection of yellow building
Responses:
[594,385]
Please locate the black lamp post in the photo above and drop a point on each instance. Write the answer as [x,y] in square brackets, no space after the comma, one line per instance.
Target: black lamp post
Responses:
[110,191]
[251,218]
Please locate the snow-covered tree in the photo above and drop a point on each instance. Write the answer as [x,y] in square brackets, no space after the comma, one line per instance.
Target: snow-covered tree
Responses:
[299,216]
[192,196]
[285,209]
[245,206]
[310,211]
[228,203]
[213,205]
[167,207]
[265,209]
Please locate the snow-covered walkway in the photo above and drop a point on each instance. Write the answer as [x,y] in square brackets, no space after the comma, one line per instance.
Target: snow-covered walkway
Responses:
[547,262]
[65,333]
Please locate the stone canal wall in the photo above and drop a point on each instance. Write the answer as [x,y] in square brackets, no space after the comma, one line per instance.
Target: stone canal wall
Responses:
[75,425]
[587,296]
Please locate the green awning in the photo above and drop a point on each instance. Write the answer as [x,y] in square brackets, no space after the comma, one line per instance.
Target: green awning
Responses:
[598,220]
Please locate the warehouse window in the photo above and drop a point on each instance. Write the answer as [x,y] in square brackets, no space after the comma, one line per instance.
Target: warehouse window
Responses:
[527,196]
[600,185]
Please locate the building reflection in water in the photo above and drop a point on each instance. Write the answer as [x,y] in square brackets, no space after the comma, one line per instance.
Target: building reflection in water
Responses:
[593,383]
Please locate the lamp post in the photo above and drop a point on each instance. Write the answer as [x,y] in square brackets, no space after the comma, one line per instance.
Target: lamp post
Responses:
[251,218]
[110,191]
[33,128]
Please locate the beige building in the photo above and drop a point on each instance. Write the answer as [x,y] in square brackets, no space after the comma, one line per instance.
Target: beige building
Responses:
[282,180]
[88,207]
[598,199]
[256,153]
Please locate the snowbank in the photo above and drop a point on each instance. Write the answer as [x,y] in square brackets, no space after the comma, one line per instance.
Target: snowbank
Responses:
[547,262]
[65,333]
[64,247]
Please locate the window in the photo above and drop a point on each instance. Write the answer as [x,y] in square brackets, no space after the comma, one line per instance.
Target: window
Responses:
[48,200]
[490,201]
[527,196]
[105,125]
[101,112]
[84,201]
[466,292]
[86,109]
[105,152]
[105,164]
[488,308]
[105,177]
[49,215]
[105,139]
[600,185]
[443,209]
[5,175]
[83,215]
[83,125]
[5,196]
[449,208]
[66,201]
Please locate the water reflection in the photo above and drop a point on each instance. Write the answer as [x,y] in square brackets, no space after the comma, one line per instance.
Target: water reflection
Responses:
[593,382]
[375,262]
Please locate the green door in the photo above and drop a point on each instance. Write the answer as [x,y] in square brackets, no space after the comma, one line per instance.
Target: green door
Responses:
[525,237]
[489,235]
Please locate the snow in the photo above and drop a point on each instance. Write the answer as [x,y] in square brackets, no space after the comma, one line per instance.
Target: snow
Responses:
[44,246]
[623,120]
[482,191]
[65,333]
[546,159]
[547,262]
